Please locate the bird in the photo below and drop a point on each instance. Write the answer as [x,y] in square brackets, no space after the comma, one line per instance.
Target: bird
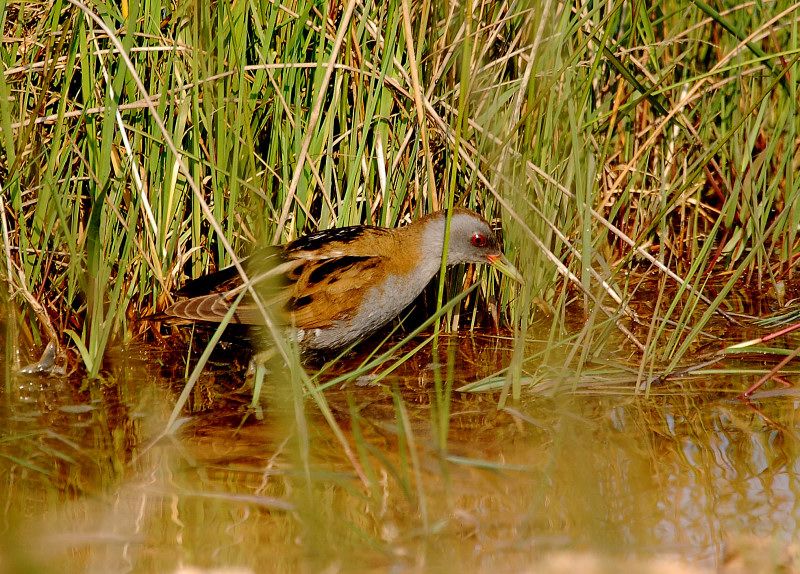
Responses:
[342,284]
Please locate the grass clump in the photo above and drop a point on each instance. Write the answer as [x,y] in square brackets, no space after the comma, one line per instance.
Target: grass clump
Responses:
[142,145]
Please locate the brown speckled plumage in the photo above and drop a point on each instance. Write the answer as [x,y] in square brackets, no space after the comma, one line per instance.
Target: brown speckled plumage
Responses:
[342,284]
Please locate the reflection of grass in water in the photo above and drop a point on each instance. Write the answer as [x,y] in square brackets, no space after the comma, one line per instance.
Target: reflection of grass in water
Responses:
[602,473]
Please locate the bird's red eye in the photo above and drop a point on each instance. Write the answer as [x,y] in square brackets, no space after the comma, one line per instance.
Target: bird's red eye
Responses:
[479,240]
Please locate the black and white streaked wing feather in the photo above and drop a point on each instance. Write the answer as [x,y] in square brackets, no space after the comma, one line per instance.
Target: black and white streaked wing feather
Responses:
[329,242]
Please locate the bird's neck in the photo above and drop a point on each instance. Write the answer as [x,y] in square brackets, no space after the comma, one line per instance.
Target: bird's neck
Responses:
[433,244]
[419,246]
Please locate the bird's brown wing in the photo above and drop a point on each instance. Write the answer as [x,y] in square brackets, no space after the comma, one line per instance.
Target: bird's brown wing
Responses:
[211,307]
[209,297]
[318,279]
[337,267]
[328,290]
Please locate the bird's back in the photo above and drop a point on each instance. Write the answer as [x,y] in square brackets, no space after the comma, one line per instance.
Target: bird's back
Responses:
[323,283]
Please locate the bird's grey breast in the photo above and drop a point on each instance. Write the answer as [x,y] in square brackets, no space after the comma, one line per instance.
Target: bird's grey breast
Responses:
[381,304]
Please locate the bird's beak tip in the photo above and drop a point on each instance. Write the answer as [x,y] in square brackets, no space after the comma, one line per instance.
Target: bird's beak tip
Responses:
[504,266]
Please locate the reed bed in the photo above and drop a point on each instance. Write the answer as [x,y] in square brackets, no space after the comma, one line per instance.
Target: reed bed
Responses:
[143,144]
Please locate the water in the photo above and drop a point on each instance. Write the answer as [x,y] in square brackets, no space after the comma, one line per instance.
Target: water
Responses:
[576,477]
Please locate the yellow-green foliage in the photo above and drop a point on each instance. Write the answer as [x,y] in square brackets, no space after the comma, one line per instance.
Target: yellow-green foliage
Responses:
[673,122]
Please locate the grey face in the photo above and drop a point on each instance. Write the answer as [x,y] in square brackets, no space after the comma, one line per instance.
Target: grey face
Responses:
[471,240]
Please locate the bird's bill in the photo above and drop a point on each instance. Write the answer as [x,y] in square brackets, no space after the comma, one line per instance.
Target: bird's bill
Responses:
[505,267]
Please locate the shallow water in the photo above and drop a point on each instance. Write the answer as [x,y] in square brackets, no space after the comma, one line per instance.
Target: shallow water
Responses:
[583,476]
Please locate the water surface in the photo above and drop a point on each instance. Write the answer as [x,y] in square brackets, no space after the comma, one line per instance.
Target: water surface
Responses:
[580,475]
